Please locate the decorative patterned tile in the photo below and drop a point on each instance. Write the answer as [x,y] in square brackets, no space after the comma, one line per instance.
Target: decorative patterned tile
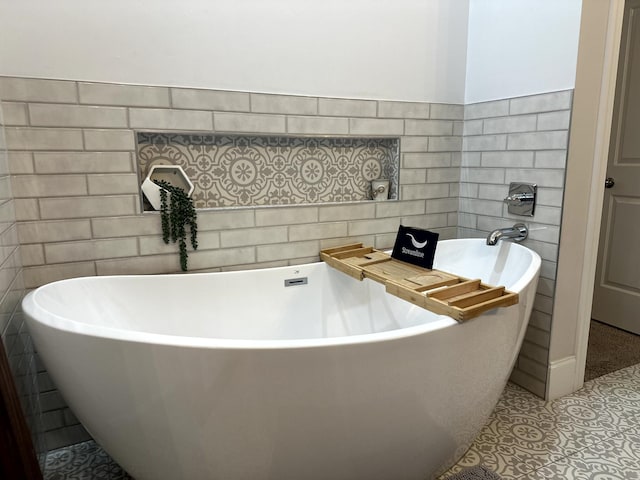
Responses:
[478,472]
[527,437]
[84,461]
[629,376]
[614,458]
[514,397]
[515,446]
[230,170]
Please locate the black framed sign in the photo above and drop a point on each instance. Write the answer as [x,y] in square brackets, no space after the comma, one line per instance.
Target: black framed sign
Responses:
[416,246]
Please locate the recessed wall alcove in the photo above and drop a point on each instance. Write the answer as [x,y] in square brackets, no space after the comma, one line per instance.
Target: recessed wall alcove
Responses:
[252,170]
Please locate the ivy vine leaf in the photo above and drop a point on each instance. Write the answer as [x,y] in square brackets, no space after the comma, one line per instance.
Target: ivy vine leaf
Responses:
[177,213]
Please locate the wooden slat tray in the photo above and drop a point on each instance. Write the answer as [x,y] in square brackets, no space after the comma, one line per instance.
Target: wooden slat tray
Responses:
[440,292]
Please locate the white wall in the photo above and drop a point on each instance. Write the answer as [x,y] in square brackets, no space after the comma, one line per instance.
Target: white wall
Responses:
[382,49]
[521,47]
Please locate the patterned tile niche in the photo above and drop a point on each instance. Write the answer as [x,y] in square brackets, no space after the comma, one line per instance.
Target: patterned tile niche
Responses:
[240,170]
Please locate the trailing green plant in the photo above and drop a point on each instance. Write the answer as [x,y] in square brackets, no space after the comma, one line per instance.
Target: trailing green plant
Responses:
[177,213]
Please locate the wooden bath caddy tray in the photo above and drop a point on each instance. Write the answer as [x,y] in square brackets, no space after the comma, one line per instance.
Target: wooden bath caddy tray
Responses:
[457,297]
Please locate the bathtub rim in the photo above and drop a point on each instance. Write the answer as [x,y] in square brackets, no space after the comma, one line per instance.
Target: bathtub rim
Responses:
[36,313]
[60,323]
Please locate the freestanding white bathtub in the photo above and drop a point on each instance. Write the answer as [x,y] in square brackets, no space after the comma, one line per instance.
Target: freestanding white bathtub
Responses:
[235,376]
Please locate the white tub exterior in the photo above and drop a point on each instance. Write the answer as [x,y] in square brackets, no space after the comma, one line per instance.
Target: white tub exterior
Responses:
[233,376]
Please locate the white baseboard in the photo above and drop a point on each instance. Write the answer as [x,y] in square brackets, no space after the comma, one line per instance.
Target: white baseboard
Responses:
[561,378]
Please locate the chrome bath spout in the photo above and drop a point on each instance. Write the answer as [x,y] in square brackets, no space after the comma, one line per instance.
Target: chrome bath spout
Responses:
[517,233]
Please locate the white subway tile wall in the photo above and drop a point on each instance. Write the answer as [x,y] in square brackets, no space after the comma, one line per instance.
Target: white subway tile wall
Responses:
[13,333]
[521,139]
[78,208]
[71,151]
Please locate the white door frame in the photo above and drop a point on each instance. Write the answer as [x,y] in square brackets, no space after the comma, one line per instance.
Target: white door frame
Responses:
[600,31]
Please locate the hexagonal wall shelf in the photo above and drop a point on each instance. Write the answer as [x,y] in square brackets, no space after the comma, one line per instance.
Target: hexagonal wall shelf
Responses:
[173,174]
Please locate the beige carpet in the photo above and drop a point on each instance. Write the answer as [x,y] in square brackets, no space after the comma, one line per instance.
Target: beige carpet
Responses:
[610,349]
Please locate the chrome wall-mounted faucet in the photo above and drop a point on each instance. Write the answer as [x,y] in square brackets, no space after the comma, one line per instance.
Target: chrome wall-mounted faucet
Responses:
[522,198]
[517,233]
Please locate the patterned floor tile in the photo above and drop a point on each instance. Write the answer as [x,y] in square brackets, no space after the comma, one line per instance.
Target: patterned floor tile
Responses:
[615,458]
[478,472]
[515,397]
[628,377]
[525,434]
[84,461]
[514,446]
